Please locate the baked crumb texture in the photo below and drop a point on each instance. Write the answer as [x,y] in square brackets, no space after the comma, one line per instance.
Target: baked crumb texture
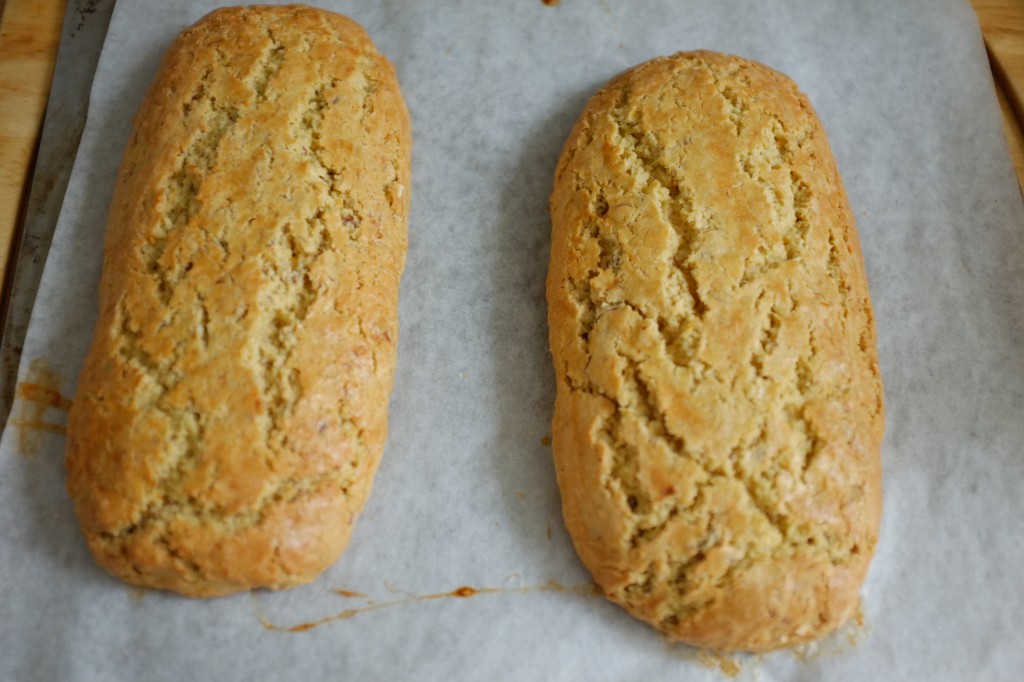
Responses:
[719,411]
[233,406]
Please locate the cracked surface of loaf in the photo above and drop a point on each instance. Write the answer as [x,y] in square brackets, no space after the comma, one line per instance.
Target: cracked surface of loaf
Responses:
[232,409]
[719,414]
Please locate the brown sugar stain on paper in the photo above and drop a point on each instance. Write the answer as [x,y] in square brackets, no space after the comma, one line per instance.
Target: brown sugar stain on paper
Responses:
[463,592]
[34,398]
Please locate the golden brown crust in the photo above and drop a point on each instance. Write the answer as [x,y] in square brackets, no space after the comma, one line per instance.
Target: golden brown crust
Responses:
[719,410]
[233,406]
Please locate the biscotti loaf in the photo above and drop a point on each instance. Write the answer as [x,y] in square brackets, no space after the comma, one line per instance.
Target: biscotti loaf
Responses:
[233,405]
[719,414]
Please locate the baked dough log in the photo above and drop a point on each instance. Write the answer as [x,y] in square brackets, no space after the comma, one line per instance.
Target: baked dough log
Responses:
[233,405]
[719,415]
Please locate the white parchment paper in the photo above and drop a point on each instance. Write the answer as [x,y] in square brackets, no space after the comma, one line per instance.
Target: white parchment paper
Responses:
[466,494]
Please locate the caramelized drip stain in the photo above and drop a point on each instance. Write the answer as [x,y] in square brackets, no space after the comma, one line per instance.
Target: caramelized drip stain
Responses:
[36,395]
[464,592]
[45,395]
[27,445]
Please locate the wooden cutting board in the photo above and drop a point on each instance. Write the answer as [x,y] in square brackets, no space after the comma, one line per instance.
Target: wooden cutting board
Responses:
[30,31]
[1002,24]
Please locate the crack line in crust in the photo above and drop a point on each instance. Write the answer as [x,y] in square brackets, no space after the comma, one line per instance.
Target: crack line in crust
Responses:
[280,386]
[793,205]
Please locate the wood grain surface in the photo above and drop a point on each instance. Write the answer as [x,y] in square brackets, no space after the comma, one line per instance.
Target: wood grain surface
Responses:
[29,34]
[30,31]
[1002,24]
